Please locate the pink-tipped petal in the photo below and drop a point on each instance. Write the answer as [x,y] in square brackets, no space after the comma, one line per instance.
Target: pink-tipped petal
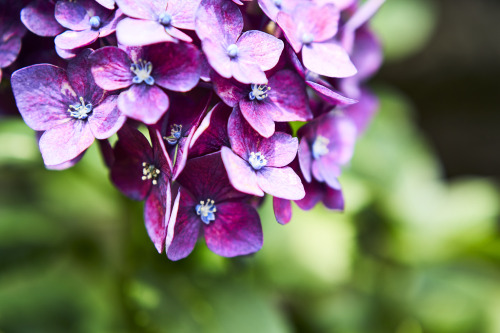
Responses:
[143,102]
[240,173]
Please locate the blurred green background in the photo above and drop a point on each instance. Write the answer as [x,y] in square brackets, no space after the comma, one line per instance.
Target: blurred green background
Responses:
[417,250]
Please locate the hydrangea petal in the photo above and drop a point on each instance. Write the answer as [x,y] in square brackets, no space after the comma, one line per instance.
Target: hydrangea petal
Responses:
[322,20]
[282,210]
[141,9]
[235,231]
[132,32]
[258,116]
[9,51]
[38,17]
[65,142]
[268,52]
[333,199]
[281,182]
[183,13]
[279,150]
[80,76]
[288,25]
[305,158]
[111,68]
[143,102]
[328,59]
[247,72]
[156,214]
[176,33]
[240,173]
[43,95]
[330,96]
[106,119]
[69,39]
[219,21]
[72,15]
[217,57]
[230,91]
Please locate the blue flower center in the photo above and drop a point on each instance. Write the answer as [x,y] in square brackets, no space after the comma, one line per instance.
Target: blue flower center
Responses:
[142,70]
[206,211]
[277,3]
[259,91]
[80,111]
[165,19]
[175,134]
[150,172]
[307,38]
[320,147]
[257,160]
[95,22]
[232,51]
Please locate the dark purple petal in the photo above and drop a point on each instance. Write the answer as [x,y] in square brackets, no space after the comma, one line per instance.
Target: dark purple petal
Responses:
[241,135]
[9,51]
[215,136]
[43,95]
[230,91]
[38,17]
[69,39]
[240,173]
[143,102]
[157,213]
[72,15]
[219,21]
[258,116]
[330,96]
[106,119]
[131,150]
[288,94]
[81,79]
[314,194]
[328,59]
[261,48]
[333,198]
[161,158]
[186,228]
[175,66]
[235,231]
[279,150]
[281,182]
[132,32]
[282,210]
[65,142]
[141,9]
[111,68]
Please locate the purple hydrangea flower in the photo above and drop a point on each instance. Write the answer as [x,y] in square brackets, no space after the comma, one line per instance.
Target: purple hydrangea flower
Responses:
[311,28]
[67,105]
[143,71]
[283,99]
[208,205]
[258,165]
[326,144]
[182,125]
[215,136]
[142,172]
[11,32]
[38,17]
[155,21]
[231,54]
[86,21]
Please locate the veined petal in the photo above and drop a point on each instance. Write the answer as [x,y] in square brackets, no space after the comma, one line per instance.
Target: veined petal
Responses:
[72,15]
[261,48]
[9,51]
[219,21]
[156,213]
[281,182]
[69,39]
[141,9]
[230,91]
[279,150]
[235,231]
[38,17]
[183,13]
[111,68]
[217,57]
[143,102]
[247,71]
[330,96]
[106,119]
[259,116]
[322,20]
[241,174]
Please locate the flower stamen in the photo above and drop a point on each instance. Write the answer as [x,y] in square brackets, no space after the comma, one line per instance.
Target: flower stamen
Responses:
[320,147]
[95,22]
[149,171]
[175,134]
[257,160]
[307,38]
[259,91]
[232,51]
[206,211]
[80,111]
[142,70]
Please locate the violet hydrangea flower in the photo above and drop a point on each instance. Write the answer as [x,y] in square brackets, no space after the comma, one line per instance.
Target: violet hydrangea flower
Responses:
[155,21]
[211,207]
[142,172]
[258,165]
[143,71]
[326,144]
[311,28]
[67,105]
[86,21]
[283,99]
[11,32]
[38,17]
[246,56]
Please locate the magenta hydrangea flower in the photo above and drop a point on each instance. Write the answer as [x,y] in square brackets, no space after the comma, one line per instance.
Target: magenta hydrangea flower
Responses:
[211,207]
[283,99]
[258,165]
[155,21]
[11,32]
[326,144]
[311,28]
[231,54]
[143,71]
[67,105]
[38,17]
[142,172]
[86,21]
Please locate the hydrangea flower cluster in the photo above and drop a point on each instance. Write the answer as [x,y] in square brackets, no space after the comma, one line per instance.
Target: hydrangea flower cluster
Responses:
[201,94]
